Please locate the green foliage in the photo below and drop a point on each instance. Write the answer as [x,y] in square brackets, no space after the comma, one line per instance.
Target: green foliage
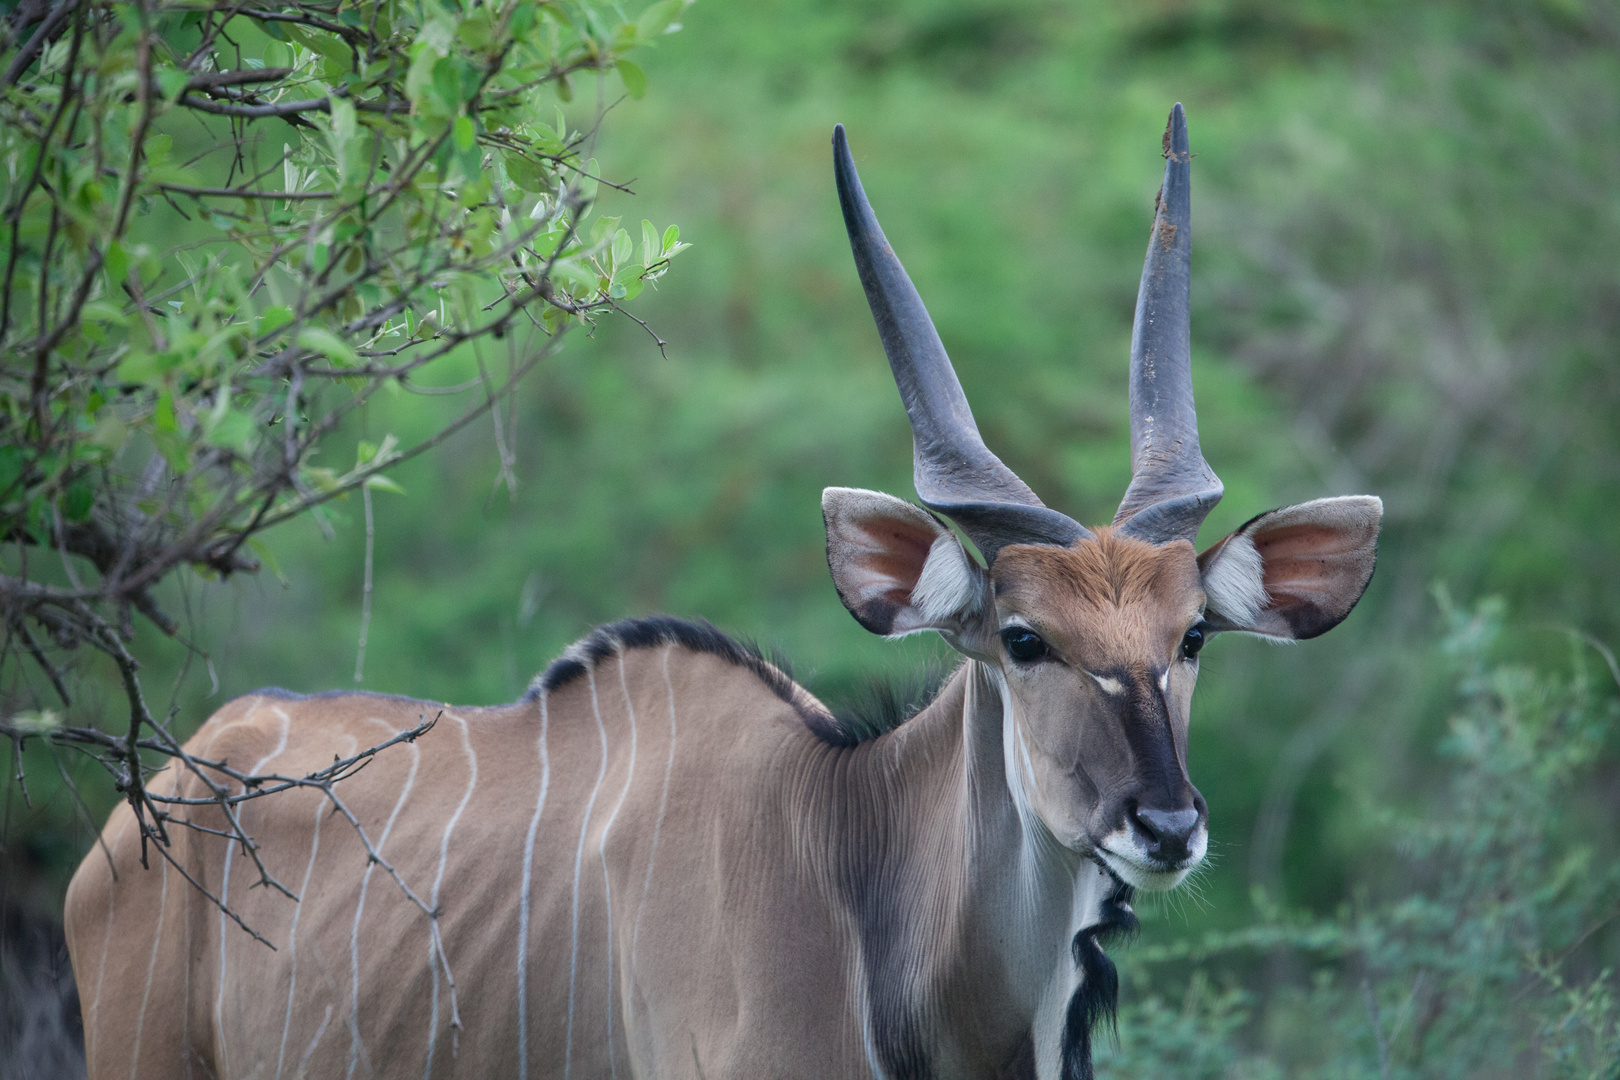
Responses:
[1473,966]
[225,230]
[214,214]
[1404,284]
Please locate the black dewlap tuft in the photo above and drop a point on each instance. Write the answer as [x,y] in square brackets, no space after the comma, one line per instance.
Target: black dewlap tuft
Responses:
[1097,996]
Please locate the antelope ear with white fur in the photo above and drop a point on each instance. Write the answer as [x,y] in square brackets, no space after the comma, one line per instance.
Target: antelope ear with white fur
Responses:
[1293,573]
[896,568]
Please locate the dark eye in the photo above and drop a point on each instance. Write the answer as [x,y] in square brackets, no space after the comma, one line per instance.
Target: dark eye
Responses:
[1023,644]
[1192,641]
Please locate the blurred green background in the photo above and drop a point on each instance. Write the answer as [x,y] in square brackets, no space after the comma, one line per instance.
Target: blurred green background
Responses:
[1405,283]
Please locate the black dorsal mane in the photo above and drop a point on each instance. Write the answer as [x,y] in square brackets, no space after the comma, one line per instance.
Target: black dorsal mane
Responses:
[880,703]
[876,708]
[657,631]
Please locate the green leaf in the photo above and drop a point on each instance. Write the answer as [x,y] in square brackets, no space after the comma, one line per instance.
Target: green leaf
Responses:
[116,260]
[327,44]
[77,500]
[475,31]
[602,229]
[12,460]
[649,243]
[233,430]
[110,433]
[464,133]
[635,80]
[588,182]
[163,418]
[523,172]
[262,550]
[419,79]
[383,483]
[521,22]
[103,311]
[671,234]
[447,83]
[274,318]
[172,81]
[318,339]
[623,246]
[344,123]
[174,446]
[547,242]
[157,148]
[656,19]
[38,514]
[148,368]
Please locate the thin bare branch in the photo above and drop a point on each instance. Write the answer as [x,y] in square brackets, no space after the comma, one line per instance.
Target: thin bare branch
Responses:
[281,109]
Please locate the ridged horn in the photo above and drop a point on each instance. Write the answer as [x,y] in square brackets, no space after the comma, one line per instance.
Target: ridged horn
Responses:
[955,473]
[1172,487]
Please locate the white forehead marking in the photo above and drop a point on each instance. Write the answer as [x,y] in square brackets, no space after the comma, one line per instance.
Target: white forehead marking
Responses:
[1110,686]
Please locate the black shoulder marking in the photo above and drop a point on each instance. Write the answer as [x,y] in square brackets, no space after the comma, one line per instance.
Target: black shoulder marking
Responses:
[872,710]
[654,632]
[564,669]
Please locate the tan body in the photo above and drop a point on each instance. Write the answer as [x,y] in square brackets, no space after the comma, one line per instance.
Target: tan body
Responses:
[718,895]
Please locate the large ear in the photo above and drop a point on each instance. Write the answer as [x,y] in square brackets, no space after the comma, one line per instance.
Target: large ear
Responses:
[897,569]
[1296,572]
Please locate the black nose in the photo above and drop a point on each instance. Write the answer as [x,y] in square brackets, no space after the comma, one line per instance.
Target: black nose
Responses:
[1167,832]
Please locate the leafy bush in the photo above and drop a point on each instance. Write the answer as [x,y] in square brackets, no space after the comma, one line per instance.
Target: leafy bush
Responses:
[227,228]
[1482,967]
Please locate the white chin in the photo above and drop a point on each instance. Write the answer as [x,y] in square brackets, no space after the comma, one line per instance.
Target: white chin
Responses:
[1147,878]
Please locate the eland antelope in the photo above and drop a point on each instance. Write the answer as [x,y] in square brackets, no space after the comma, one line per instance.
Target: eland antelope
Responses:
[671,860]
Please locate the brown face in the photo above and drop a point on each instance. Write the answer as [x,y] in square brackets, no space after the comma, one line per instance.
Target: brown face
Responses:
[1099,643]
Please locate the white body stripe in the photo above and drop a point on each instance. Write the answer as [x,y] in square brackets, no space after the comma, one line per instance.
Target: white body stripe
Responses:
[151,969]
[579,859]
[357,1049]
[438,880]
[225,890]
[309,1051]
[292,930]
[663,804]
[607,884]
[523,900]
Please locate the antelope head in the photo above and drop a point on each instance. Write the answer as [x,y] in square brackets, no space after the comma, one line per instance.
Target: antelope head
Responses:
[1092,636]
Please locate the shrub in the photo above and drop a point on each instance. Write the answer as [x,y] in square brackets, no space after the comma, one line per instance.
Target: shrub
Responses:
[1481,965]
[228,227]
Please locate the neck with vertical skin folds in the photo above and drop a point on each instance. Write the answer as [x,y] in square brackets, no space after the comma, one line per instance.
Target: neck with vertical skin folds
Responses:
[965,903]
